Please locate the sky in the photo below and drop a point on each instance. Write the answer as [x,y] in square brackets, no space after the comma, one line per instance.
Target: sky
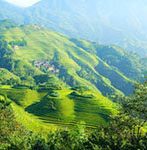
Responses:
[23,3]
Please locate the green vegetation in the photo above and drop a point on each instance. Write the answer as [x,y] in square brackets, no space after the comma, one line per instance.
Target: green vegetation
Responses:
[63,93]
[31,51]
[61,106]
[53,91]
[42,65]
[125,131]
[8,78]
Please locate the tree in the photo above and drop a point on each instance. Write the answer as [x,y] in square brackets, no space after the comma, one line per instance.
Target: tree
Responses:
[12,134]
[136,105]
[125,131]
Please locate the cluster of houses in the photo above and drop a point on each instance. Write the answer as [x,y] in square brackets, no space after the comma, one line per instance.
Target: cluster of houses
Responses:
[46,64]
[15,47]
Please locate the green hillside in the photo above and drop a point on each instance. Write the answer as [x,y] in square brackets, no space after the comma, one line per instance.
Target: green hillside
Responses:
[58,81]
[73,75]
[7,77]
[35,51]
[48,110]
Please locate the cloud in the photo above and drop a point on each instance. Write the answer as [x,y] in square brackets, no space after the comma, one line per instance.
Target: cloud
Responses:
[23,3]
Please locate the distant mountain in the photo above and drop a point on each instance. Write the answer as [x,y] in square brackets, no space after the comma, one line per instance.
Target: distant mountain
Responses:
[106,21]
[95,16]
[10,11]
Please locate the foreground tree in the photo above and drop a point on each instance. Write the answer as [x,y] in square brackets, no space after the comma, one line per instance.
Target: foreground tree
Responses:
[127,129]
[13,136]
[136,105]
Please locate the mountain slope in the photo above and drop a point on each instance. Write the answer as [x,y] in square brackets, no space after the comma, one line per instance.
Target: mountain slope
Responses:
[39,50]
[43,111]
[56,80]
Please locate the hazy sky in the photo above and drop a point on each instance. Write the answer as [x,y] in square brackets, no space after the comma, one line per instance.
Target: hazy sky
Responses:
[23,3]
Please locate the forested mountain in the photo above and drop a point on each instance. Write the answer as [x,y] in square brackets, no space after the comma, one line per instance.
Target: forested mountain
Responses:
[108,21]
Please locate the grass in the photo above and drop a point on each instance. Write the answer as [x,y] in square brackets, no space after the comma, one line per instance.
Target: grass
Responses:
[22,97]
[38,113]
[77,64]
[32,122]
[47,45]
[6,76]
[94,110]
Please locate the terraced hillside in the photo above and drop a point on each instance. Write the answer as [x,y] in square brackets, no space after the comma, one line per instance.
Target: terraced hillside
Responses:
[30,51]
[58,81]
[52,109]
